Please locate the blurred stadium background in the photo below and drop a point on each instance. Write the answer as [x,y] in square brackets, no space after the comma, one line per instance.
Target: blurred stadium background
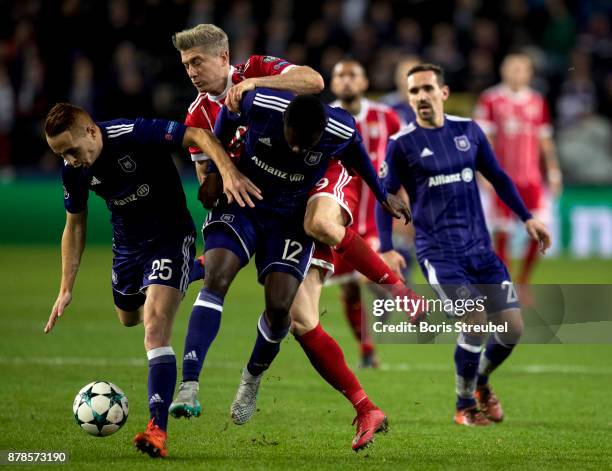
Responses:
[115,58]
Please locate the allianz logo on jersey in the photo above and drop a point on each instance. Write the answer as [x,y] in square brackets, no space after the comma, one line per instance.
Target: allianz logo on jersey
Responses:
[292,177]
[466,175]
[141,192]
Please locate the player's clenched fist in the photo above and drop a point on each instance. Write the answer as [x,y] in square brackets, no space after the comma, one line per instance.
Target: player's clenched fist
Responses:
[234,94]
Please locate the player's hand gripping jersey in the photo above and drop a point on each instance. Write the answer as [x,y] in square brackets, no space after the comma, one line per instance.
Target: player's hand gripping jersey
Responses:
[203,112]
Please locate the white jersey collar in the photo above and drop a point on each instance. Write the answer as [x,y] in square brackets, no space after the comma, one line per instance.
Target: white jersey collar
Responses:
[228,85]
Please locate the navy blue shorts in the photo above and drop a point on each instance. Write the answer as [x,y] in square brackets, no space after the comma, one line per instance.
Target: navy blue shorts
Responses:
[471,277]
[162,261]
[278,243]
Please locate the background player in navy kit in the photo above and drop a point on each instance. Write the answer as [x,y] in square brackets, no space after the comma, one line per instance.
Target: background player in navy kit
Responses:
[287,145]
[435,159]
[127,163]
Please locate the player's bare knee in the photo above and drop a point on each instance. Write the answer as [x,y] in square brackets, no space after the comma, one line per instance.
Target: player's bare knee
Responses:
[512,325]
[218,282]
[318,228]
[277,313]
[129,318]
[302,326]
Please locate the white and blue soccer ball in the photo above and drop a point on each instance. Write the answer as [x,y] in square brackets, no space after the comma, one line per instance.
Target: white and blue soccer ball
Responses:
[100,408]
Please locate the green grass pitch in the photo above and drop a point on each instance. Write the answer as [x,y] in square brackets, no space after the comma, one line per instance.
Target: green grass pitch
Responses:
[556,397]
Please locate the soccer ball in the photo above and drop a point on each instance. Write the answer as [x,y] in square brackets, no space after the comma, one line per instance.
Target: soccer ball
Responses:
[100,408]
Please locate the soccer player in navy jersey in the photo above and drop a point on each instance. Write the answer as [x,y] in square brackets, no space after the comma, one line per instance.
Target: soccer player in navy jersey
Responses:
[435,158]
[128,164]
[287,145]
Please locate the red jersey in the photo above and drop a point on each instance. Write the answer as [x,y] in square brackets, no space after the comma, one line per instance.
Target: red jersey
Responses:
[517,122]
[203,111]
[375,122]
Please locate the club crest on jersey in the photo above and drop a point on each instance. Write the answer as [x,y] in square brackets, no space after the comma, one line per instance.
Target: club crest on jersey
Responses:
[462,143]
[384,170]
[313,158]
[227,217]
[127,164]
[467,175]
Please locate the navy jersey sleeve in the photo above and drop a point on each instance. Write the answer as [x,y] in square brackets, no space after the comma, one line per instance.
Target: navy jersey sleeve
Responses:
[356,157]
[76,189]
[487,164]
[158,132]
[390,175]
[228,122]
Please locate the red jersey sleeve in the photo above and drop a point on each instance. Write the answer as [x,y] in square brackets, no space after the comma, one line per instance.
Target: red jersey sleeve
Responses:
[393,122]
[483,114]
[196,119]
[263,66]
[546,129]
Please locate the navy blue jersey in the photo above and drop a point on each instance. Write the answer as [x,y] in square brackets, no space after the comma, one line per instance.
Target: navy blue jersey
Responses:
[437,167]
[285,177]
[136,177]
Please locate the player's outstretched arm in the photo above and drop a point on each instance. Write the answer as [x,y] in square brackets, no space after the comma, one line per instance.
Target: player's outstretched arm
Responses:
[299,80]
[73,244]
[235,185]
[553,172]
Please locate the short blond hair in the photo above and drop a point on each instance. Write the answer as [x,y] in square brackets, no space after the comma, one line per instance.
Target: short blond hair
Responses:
[210,37]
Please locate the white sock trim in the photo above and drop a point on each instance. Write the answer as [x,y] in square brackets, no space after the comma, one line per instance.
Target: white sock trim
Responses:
[470,348]
[159,352]
[208,304]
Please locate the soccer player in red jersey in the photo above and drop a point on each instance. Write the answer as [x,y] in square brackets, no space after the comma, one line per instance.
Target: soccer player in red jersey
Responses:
[516,120]
[204,52]
[375,122]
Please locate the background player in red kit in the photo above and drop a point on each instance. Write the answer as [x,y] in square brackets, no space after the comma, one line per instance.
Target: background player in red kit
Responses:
[516,120]
[375,122]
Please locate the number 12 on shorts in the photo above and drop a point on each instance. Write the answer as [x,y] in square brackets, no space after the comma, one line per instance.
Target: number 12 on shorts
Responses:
[161,269]
[295,248]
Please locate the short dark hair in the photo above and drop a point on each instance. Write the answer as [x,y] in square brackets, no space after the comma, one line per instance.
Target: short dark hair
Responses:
[306,115]
[436,69]
[62,117]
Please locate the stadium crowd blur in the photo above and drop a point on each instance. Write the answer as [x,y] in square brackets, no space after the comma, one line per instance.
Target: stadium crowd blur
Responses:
[115,58]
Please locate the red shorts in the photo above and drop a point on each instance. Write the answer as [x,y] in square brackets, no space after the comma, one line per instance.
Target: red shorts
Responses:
[337,184]
[533,196]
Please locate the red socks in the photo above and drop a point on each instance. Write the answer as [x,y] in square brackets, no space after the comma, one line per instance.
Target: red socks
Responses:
[529,259]
[358,254]
[354,313]
[501,246]
[327,358]
[531,255]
